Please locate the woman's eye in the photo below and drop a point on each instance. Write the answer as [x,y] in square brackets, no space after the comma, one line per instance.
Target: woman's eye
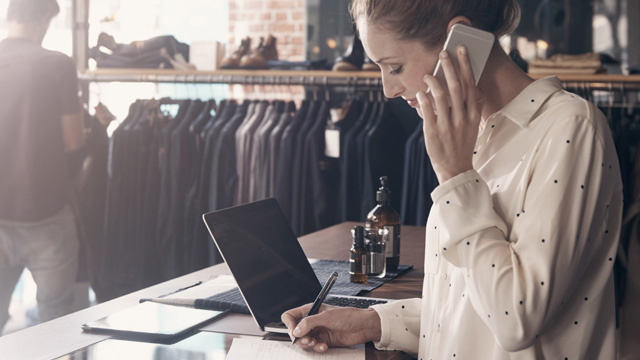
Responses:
[396,71]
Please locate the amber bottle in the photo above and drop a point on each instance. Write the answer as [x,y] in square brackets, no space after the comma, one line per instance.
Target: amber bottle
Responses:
[383,222]
[358,257]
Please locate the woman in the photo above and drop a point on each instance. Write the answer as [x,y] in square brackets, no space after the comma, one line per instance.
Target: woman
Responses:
[523,231]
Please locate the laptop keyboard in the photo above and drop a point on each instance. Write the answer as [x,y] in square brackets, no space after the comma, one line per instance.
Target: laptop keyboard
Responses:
[353,302]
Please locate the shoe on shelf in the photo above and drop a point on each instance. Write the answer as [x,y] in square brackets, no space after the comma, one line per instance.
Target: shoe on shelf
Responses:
[233,61]
[177,61]
[352,59]
[108,41]
[266,51]
[369,65]
[95,53]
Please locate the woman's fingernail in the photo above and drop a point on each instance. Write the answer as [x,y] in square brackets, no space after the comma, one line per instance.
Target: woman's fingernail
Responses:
[321,348]
[304,341]
[297,332]
[444,54]
[463,50]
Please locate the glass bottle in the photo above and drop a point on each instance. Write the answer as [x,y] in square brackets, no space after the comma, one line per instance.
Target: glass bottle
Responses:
[384,217]
[377,254]
[358,257]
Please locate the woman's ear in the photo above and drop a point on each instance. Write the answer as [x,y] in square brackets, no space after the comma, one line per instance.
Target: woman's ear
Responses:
[458,20]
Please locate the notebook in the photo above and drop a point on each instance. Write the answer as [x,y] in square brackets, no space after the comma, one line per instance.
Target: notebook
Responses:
[265,258]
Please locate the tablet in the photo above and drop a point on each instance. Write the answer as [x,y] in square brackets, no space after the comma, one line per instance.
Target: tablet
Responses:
[201,346]
[152,321]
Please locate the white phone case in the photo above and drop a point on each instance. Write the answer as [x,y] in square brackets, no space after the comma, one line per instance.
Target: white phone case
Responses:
[478,43]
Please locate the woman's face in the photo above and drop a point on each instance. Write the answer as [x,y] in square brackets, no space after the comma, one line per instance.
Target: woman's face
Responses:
[403,63]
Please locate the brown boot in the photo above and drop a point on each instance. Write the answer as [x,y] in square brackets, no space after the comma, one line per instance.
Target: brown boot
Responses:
[108,41]
[369,65]
[233,61]
[352,59]
[258,58]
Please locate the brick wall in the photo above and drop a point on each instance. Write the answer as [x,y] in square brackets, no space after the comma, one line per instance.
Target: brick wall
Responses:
[284,19]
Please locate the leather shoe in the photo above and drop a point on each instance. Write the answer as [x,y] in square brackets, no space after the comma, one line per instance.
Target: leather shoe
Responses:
[233,61]
[369,65]
[266,51]
[352,59]
[108,41]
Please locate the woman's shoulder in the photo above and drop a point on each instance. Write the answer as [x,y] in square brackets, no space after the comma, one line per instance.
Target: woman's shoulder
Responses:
[565,108]
[565,102]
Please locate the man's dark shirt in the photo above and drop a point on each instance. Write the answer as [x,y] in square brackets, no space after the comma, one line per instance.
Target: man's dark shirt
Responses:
[37,87]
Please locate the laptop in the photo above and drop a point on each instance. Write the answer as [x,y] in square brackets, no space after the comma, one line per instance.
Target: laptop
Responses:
[267,261]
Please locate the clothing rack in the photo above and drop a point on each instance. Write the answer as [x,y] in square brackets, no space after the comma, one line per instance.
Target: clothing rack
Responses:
[237,77]
[604,82]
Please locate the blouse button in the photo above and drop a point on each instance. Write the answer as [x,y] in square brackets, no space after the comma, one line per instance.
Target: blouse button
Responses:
[443,276]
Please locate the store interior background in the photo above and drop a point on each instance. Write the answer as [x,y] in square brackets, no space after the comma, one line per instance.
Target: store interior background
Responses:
[305,29]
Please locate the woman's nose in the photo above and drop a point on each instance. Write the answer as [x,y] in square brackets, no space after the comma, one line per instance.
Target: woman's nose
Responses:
[392,89]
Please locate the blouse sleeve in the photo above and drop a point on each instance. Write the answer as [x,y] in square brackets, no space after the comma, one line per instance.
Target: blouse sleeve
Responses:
[400,324]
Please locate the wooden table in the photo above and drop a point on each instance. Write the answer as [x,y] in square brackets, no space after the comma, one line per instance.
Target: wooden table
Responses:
[61,336]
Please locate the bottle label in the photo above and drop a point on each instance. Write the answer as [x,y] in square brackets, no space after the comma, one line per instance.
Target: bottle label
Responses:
[393,240]
[358,264]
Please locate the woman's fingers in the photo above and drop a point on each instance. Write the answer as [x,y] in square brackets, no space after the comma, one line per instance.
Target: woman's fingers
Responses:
[291,317]
[426,112]
[454,86]
[468,80]
[469,83]
[321,347]
[307,341]
[439,99]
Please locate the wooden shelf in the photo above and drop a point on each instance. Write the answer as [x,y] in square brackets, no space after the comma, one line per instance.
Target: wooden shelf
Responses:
[260,77]
[319,78]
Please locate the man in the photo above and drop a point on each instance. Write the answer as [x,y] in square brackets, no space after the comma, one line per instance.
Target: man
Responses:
[42,123]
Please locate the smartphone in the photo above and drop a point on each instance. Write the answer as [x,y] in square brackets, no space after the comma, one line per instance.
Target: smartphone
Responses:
[478,43]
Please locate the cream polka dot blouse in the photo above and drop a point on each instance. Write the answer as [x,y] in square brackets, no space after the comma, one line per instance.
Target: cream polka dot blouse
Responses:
[519,251]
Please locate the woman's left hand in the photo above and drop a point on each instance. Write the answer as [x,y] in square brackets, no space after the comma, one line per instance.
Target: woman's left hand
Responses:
[451,117]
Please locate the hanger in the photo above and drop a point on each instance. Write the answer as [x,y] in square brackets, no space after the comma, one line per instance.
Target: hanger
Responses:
[369,82]
[351,87]
[314,87]
[611,104]
[288,89]
[325,82]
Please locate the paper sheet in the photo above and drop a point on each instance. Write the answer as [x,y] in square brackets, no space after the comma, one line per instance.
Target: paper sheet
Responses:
[245,348]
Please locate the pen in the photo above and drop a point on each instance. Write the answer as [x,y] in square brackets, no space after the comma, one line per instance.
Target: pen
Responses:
[173,301]
[321,296]
[182,289]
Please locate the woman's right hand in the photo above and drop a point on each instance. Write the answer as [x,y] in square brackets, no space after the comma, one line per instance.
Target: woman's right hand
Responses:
[451,117]
[333,326]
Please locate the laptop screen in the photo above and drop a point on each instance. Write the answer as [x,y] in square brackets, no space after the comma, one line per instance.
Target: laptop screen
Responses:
[265,258]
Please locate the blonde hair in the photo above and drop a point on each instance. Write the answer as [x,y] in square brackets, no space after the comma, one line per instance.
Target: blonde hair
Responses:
[427,20]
